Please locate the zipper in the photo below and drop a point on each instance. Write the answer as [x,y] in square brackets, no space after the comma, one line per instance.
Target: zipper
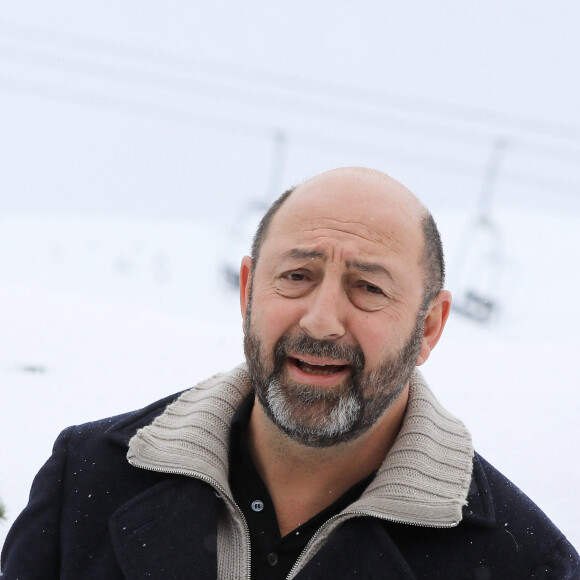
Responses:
[358,513]
[218,487]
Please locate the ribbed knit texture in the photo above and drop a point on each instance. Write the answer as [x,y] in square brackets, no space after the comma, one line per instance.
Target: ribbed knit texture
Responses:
[424,479]
[426,475]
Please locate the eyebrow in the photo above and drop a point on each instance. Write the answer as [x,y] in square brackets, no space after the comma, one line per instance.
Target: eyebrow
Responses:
[298,254]
[368,267]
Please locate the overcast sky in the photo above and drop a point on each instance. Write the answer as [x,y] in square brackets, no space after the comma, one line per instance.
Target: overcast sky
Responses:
[172,108]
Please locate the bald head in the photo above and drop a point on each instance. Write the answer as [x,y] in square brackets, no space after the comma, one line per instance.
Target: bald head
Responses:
[363,185]
[387,210]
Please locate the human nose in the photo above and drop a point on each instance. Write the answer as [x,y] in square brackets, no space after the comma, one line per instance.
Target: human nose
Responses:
[323,317]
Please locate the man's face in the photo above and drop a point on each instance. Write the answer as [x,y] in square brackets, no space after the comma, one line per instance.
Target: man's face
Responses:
[332,330]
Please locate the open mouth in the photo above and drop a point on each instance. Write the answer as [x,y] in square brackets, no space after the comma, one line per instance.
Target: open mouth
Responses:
[312,368]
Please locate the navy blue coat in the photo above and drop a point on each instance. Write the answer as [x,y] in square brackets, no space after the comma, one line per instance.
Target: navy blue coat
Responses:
[93,516]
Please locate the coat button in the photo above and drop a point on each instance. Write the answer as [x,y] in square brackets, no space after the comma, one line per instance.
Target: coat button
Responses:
[272,559]
[257,505]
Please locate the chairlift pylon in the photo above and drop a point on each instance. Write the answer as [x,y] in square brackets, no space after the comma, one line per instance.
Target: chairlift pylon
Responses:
[246,222]
[480,259]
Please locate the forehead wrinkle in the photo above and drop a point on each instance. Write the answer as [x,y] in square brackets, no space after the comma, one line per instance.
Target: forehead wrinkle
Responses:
[368,234]
[322,236]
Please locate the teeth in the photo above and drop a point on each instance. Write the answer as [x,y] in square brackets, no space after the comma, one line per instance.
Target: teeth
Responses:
[318,368]
[313,364]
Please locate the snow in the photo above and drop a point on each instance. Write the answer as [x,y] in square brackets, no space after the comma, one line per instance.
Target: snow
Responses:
[99,316]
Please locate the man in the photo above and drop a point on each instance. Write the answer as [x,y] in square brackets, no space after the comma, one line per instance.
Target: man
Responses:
[326,456]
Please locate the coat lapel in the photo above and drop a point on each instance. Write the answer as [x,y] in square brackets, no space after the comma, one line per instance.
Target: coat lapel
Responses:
[169,531]
[361,549]
[479,508]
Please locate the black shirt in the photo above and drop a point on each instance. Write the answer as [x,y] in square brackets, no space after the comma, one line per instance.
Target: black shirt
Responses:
[272,555]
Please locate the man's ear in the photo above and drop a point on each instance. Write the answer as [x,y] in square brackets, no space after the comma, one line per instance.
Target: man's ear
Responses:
[245,284]
[434,324]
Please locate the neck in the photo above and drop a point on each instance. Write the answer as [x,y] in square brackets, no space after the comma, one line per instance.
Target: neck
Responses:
[302,480]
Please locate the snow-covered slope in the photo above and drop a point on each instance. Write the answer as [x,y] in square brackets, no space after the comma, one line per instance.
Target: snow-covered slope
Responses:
[98,317]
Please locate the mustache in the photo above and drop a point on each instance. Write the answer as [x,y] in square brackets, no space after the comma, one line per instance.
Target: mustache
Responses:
[328,349]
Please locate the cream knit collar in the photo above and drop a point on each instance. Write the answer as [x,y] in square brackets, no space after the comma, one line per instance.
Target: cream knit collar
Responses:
[424,479]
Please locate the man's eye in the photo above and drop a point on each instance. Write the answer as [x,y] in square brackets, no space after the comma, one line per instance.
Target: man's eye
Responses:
[368,296]
[294,284]
[373,289]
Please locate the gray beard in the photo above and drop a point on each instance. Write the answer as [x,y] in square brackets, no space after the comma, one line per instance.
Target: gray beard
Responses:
[317,417]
